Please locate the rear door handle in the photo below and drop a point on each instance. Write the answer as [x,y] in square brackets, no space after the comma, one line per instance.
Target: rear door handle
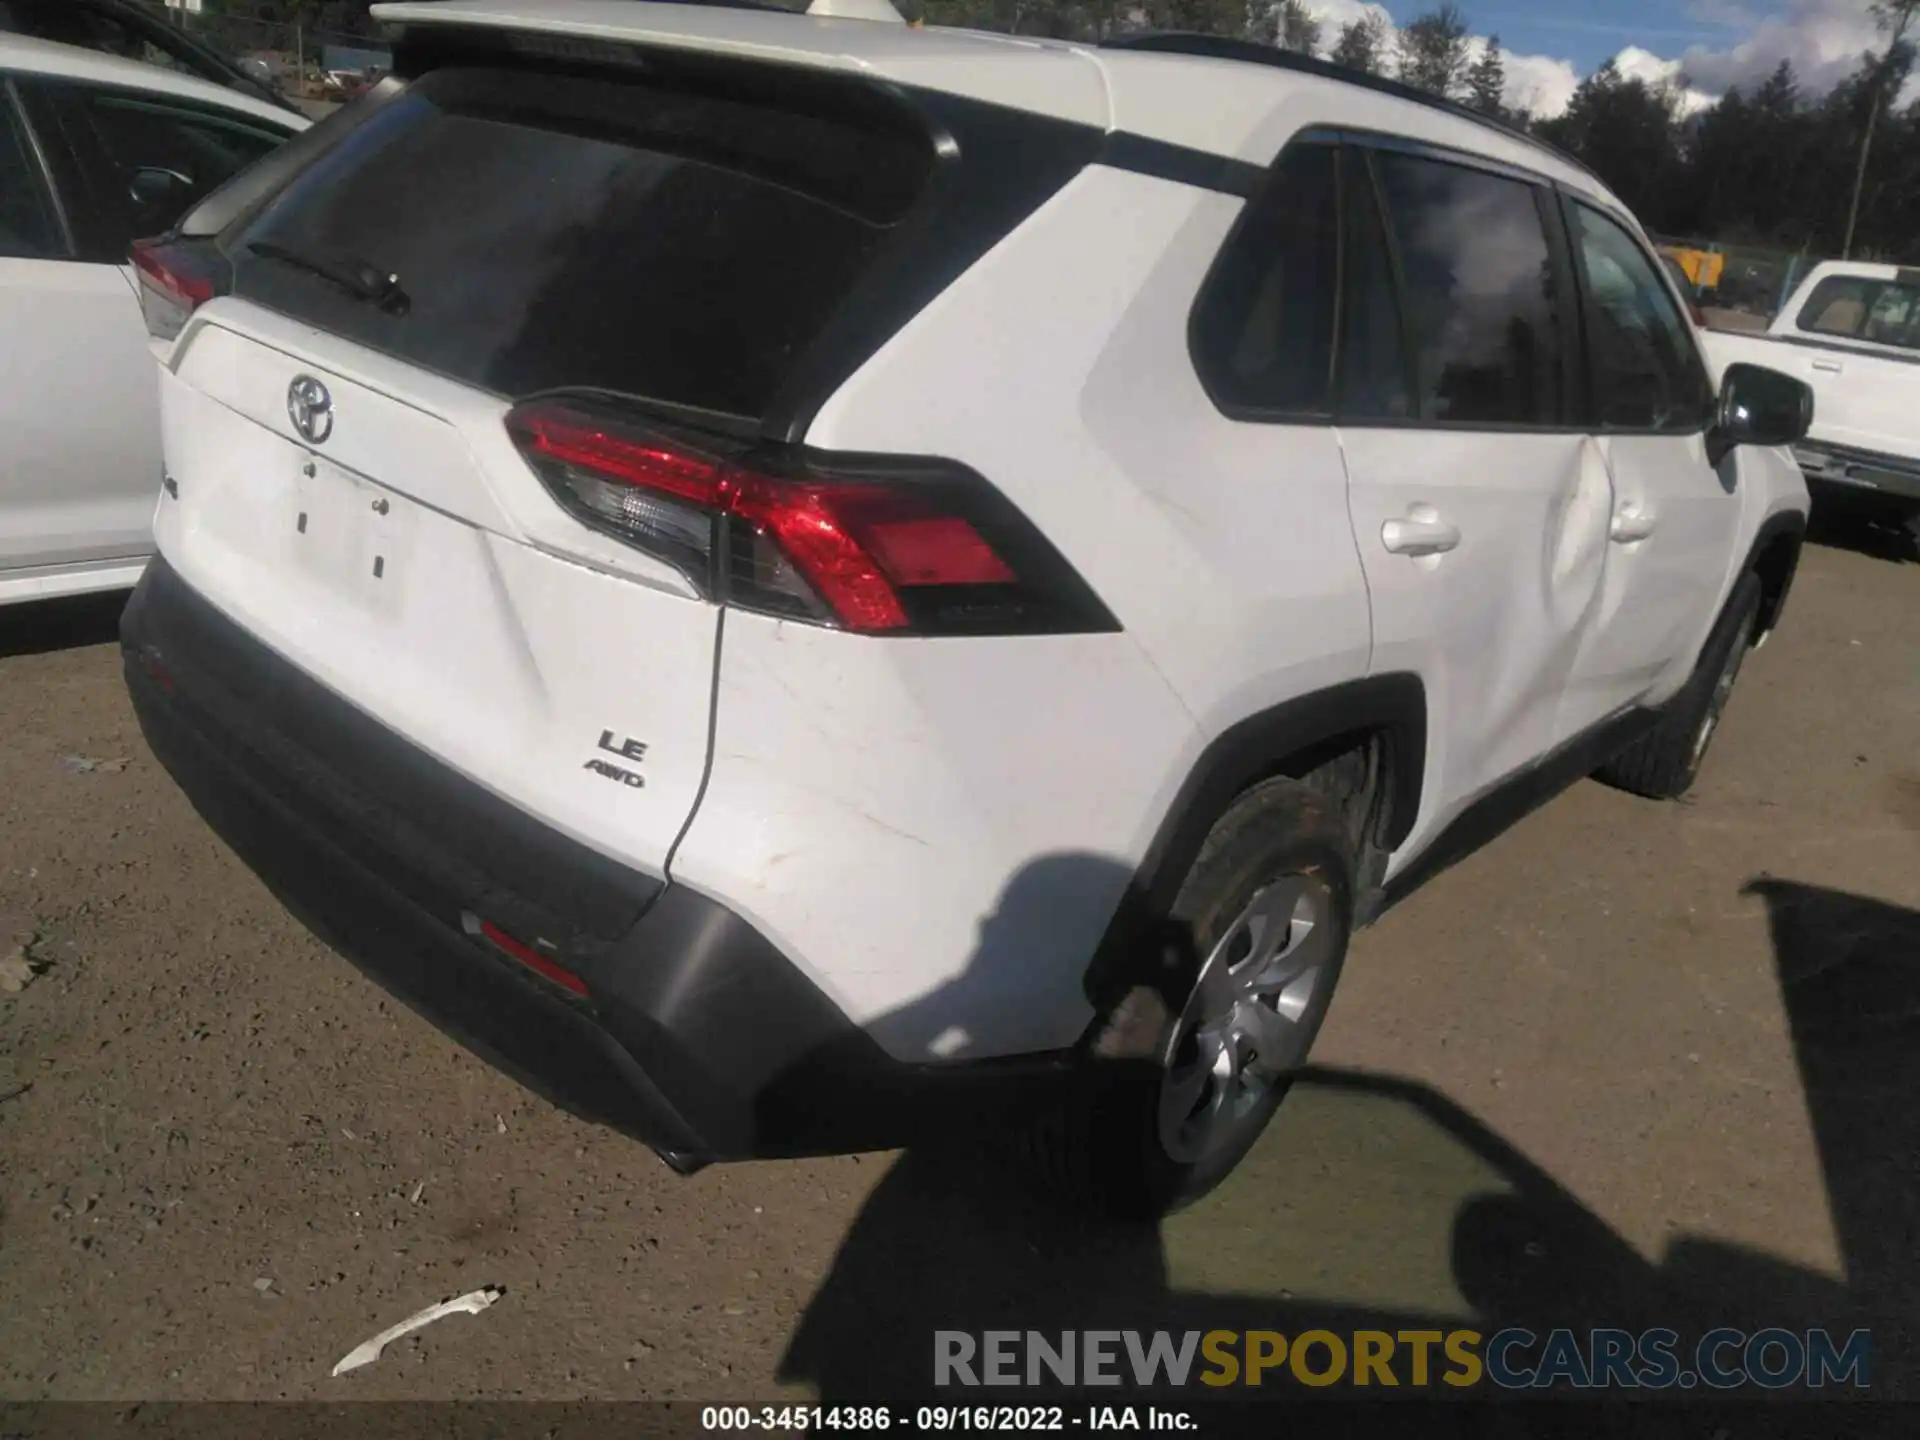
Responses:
[1419,535]
[1832,367]
[1631,523]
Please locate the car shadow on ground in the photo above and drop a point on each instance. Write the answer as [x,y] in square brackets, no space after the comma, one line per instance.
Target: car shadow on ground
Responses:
[37,627]
[956,1237]
[1845,518]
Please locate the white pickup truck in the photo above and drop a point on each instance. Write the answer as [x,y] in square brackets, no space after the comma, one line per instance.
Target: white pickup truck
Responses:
[1852,332]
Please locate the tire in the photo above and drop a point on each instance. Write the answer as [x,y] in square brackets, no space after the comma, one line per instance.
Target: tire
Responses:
[1270,893]
[1663,763]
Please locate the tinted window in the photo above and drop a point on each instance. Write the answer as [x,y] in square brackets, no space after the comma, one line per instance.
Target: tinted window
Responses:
[1885,312]
[552,231]
[1479,292]
[1263,330]
[27,228]
[1646,373]
[147,159]
[1373,354]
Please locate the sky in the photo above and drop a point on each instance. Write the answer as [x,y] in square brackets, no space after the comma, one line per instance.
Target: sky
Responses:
[1551,44]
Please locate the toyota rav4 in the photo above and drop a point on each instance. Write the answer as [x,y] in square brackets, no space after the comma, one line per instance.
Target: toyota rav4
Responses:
[799,580]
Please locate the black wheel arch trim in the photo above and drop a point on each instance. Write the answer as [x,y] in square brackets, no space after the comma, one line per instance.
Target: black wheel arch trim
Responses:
[1787,530]
[1392,707]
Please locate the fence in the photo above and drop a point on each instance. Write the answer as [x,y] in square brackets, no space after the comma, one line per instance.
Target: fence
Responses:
[1747,278]
[299,56]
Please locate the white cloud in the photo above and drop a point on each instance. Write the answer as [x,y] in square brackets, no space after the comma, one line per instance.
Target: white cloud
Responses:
[1824,40]
[1644,65]
[1539,84]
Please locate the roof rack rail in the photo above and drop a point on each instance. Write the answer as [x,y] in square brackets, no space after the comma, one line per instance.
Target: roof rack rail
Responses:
[1221,47]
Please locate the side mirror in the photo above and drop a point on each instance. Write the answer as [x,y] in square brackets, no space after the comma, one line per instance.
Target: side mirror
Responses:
[153,187]
[1758,406]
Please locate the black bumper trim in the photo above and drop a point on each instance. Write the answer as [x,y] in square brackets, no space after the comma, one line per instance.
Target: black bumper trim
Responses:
[1897,476]
[409,814]
[699,1037]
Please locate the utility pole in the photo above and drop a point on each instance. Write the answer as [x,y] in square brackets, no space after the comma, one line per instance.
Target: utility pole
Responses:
[1894,16]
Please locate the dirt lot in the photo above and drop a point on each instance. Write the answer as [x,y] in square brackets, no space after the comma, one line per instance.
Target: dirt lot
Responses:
[1634,1063]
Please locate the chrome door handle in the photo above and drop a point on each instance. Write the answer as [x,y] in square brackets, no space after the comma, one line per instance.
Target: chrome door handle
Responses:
[1631,523]
[1832,367]
[1418,536]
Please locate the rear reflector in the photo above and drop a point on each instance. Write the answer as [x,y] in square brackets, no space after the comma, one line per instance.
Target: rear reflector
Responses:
[150,662]
[525,954]
[879,546]
[176,278]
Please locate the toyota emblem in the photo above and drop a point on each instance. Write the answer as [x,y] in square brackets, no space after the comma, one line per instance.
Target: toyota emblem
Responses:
[310,407]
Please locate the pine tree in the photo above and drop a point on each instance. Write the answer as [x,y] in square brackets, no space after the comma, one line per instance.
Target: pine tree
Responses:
[1487,80]
[1433,50]
[1295,28]
[1360,45]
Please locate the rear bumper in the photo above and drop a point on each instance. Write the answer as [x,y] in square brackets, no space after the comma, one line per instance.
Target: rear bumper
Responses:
[1893,475]
[696,1035]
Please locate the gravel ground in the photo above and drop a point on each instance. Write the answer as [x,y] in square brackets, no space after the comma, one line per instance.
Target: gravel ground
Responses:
[1642,1063]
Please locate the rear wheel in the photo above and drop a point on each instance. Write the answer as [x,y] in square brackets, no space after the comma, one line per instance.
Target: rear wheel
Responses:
[1663,763]
[1203,1063]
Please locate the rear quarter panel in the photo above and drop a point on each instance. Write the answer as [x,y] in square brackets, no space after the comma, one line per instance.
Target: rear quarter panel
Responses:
[939,831]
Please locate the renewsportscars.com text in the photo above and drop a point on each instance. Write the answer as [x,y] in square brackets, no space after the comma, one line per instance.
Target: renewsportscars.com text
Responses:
[1512,1359]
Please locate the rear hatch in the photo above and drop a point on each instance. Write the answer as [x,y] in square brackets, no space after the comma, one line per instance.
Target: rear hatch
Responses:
[675,241]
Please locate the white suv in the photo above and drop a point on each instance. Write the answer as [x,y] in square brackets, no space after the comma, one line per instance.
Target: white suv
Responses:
[796,581]
[95,151]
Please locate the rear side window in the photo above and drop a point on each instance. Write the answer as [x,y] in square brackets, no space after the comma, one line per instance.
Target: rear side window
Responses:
[546,232]
[1263,330]
[1479,289]
[1883,312]
[149,158]
[1645,372]
[27,228]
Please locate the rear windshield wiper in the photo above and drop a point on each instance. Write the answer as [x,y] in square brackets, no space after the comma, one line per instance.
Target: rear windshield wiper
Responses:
[356,277]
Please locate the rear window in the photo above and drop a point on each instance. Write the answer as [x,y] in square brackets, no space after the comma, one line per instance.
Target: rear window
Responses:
[1884,312]
[554,231]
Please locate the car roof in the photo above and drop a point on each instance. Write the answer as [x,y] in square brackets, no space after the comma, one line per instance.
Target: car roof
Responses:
[25,54]
[1210,102]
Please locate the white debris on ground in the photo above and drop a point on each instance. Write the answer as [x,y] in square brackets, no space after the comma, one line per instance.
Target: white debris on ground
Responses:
[16,972]
[472,1303]
[86,765]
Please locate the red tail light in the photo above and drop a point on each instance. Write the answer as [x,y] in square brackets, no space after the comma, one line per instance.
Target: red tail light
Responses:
[525,954]
[871,545]
[175,280]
